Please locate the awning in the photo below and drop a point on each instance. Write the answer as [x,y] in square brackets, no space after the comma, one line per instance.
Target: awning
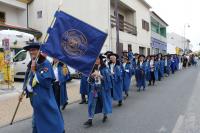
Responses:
[34,32]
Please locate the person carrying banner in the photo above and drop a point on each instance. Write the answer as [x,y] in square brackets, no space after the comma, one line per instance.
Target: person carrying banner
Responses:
[46,115]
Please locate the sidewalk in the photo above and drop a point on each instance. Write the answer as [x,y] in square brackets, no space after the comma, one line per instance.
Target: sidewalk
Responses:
[189,122]
[9,100]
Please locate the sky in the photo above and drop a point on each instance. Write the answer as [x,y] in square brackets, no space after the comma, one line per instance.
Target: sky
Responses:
[178,13]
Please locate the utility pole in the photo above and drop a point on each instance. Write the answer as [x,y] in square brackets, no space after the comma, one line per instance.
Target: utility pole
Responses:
[117,24]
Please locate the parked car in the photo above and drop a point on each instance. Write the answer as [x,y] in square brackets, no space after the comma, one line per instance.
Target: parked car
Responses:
[21,60]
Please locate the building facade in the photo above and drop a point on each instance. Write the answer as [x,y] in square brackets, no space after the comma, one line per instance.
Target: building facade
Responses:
[181,44]
[134,19]
[158,34]
[14,16]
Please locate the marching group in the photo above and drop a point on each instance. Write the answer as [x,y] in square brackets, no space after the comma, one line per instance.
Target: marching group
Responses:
[109,80]
[112,74]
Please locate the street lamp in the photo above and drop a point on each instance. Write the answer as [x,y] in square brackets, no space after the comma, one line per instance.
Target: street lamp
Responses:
[187,25]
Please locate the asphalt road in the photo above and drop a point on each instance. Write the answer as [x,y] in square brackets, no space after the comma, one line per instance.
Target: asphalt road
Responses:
[154,111]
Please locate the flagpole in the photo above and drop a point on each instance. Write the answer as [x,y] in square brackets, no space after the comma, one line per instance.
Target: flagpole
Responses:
[25,81]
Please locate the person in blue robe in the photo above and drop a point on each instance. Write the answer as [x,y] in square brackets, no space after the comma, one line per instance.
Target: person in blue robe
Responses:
[59,84]
[159,66]
[83,89]
[162,66]
[173,65]
[140,73]
[106,88]
[46,114]
[134,65]
[99,97]
[148,70]
[166,65]
[127,74]
[117,79]
[156,68]
[152,70]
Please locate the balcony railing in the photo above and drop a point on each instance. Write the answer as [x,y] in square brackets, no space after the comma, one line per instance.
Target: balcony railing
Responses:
[124,26]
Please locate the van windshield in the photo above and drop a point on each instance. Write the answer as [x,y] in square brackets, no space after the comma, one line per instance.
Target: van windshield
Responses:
[20,56]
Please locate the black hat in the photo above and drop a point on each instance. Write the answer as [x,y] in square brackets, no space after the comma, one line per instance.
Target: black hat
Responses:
[125,51]
[101,57]
[125,57]
[31,45]
[113,54]
[141,56]
[136,54]
[108,52]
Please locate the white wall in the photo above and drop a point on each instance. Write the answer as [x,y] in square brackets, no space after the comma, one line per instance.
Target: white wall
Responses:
[143,37]
[175,40]
[14,16]
[94,12]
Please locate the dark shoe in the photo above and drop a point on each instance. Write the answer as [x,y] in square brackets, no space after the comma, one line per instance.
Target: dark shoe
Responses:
[104,119]
[82,102]
[88,123]
[120,103]
[138,90]
[64,105]
[86,102]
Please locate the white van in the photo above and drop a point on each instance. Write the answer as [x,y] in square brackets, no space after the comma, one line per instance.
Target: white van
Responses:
[21,60]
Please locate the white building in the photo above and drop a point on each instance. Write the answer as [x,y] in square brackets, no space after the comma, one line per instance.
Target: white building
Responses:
[181,43]
[13,16]
[134,18]
[158,34]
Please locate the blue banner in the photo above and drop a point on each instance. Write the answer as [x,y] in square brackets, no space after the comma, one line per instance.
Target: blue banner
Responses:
[74,42]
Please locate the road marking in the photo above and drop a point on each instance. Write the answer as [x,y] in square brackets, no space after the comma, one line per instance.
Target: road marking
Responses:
[162,130]
[178,124]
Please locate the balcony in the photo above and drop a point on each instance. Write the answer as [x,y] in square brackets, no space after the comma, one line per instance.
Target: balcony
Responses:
[124,26]
[14,3]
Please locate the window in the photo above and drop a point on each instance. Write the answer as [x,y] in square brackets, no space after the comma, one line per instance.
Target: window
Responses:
[2,17]
[20,56]
[129,47]
[148,51]
[145,25]
[39,14]
[121,22]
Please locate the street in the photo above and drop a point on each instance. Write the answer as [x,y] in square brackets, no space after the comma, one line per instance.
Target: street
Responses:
[171,106]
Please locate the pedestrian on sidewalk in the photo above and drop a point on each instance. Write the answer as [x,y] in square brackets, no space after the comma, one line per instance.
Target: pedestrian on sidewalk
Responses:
[46,115]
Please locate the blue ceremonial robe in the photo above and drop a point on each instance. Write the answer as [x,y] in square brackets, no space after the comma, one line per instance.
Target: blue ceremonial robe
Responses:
[84,85]
[47,117]
[106,90]
[95,101]
[63,89]
[173,65]
[140,75]
[127,74]
[117,83]
[162,67]
[148,71]
[156,69]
